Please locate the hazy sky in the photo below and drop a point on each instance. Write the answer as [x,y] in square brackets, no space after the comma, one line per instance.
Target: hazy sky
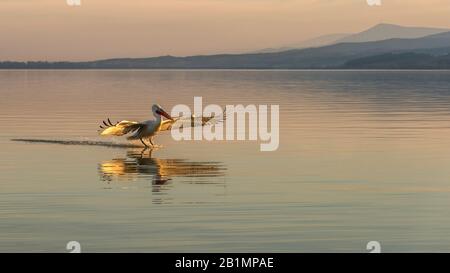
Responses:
[53,30]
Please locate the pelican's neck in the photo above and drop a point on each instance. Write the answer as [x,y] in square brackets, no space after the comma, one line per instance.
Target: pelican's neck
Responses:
[158,118]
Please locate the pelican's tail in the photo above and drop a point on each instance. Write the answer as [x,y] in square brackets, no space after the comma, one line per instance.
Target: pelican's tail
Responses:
[119,129]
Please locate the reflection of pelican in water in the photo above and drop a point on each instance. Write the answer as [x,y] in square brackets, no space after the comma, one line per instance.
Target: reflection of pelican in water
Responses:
[141,163]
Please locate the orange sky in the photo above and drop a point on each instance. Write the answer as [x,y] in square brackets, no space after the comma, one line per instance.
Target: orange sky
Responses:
[52,30]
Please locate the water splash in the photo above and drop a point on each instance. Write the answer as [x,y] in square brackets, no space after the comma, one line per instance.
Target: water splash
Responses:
[79,142]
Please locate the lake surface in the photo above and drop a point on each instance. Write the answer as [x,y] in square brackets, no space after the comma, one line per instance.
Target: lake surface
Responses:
[364,156]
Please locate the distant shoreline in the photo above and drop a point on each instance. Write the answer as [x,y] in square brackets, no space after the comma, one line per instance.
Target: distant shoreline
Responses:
[222,69]
[382,47]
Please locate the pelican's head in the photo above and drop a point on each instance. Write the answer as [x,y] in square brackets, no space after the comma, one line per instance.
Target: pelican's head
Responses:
[158,111]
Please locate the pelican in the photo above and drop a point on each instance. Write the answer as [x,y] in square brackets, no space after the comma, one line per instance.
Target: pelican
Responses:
[146,130]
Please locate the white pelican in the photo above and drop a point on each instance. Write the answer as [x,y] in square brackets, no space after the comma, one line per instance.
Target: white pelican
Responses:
[149,128]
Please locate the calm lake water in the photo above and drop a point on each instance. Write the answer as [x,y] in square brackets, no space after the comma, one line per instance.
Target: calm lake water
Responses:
[364,156]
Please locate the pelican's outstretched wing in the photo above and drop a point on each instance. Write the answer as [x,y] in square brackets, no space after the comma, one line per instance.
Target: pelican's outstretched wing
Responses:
[120,128]
[192,121]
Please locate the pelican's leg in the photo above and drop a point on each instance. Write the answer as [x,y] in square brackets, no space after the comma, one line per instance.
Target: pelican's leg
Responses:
[145,144]
[151,141]
[144,151]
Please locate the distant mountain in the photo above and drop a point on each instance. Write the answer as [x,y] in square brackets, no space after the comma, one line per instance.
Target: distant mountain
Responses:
[321,57]
[375,33]
[390,31]
[407,60]
[326,57]
[315,42]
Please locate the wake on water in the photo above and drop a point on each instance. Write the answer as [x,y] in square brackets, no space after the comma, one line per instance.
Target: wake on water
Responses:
[80,142]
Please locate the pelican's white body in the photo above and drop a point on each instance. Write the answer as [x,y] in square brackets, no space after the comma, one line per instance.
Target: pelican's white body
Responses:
[142,130]
[151,127]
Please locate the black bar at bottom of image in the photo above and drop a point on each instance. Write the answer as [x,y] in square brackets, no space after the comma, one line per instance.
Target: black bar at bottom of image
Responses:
[222,262]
